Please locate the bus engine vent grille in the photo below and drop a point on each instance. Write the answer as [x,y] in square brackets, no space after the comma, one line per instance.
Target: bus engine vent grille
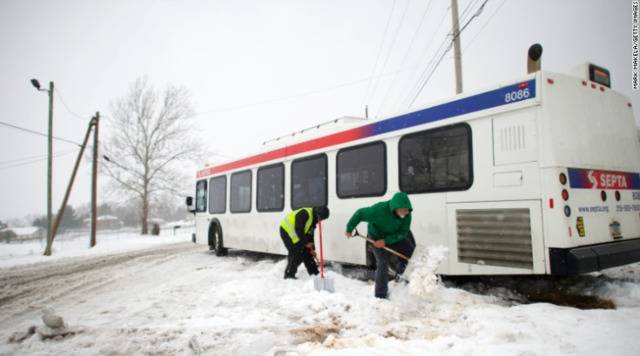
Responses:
[496,237]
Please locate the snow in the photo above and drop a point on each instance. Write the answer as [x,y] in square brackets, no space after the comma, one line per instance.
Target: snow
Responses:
[181,299]
[23,231]
[16,254]
[423,280]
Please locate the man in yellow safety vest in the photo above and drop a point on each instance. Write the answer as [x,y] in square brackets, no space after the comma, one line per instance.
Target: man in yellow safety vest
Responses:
[296,231]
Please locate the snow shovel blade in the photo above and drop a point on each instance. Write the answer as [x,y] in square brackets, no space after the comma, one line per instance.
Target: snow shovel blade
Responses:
[320,284]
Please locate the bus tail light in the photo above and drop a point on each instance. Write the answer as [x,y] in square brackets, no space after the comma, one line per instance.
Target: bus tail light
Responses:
[617,195]
[567,211]
[603,195]
[565,195]
[563,178]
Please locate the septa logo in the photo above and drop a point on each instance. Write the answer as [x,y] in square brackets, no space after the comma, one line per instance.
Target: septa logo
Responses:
[596,179]
[592,179]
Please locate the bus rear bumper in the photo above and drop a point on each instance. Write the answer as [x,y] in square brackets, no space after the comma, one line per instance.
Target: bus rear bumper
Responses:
[572,261]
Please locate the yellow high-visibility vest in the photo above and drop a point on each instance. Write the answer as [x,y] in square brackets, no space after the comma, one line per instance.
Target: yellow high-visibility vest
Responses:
[289,223]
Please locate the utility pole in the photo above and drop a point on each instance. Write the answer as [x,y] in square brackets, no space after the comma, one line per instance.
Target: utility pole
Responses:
[457,57]
[54,229]
[94,179]
[36,84]
[50,161]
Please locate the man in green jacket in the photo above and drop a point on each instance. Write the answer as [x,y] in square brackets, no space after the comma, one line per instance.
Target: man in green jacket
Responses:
[389,224]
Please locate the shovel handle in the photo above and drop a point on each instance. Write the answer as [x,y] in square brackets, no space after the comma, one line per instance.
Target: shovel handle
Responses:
[386,248]
[321,252]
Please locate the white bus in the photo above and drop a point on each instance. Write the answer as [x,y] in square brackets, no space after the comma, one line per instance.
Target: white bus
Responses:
[539,176]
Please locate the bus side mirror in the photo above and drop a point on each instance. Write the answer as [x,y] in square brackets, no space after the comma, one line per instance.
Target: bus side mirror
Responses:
[189,203]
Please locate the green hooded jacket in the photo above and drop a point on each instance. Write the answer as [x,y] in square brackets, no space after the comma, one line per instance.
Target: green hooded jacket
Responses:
[383,222]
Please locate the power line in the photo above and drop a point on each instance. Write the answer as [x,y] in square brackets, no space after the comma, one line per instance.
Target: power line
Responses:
[393,43]
[270,101]
[424,77]
[27,158]
[478,12]
[294,96]
[470,6]
[67,106]
[485,25]
[308,93]
[406,54]
[416,88]
[384,36]
[37,133]
[58,155]
[397,102]
[435,67]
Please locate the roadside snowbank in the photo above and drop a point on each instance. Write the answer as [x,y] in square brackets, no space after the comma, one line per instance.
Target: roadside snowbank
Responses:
[16,254]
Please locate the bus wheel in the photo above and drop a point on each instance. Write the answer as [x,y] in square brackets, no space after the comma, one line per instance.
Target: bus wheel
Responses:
[212,237]
[215,240]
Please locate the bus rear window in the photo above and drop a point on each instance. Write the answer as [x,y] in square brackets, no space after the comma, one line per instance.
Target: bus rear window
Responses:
[309,181]
[436,160]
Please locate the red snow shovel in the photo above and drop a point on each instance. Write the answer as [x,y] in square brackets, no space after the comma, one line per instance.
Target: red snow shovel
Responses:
[321,282]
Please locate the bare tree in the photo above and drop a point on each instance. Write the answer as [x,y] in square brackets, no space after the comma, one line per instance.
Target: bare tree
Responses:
[151,136]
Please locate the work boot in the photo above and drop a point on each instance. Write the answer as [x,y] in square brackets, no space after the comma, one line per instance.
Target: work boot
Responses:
[399,278]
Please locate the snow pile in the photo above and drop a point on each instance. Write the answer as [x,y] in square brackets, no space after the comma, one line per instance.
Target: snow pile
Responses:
[423,280]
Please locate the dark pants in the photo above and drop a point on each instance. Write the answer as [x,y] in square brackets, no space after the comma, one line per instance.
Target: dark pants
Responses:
[298,254]
[406,248]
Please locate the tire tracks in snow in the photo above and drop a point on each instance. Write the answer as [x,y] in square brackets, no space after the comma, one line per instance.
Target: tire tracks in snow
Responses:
[29,288]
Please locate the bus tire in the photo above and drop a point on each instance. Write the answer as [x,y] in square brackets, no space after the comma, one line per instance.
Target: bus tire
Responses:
[216,242]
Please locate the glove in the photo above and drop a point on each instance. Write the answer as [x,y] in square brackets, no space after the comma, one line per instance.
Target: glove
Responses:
[379,243]
[311,249]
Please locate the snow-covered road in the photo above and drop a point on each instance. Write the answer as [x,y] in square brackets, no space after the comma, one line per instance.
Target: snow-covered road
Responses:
[181,299]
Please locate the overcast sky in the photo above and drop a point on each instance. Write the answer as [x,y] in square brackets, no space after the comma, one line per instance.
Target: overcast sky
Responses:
[260,69]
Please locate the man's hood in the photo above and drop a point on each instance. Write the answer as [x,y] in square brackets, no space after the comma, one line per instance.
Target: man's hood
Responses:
[400,200]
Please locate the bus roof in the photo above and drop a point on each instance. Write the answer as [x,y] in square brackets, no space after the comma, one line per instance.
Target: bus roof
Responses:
[503,95]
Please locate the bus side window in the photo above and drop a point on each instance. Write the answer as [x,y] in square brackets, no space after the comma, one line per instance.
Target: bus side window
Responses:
[270,187]
[201,196]
[309,181]
[362,170]
[218,195]
[240,195]
[436,160]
